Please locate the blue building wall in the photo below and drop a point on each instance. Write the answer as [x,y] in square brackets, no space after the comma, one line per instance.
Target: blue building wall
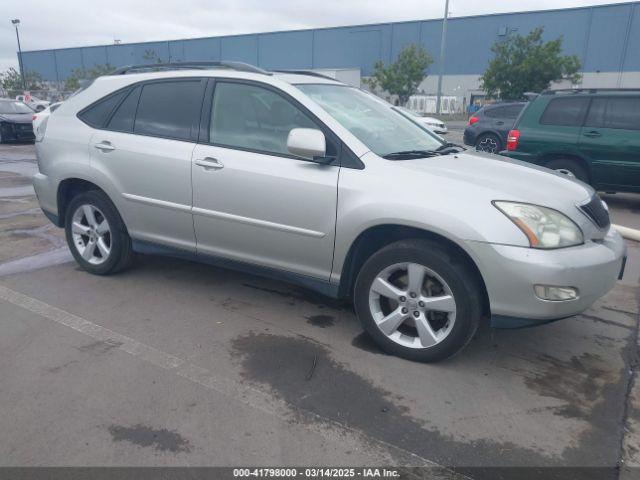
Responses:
[605,38]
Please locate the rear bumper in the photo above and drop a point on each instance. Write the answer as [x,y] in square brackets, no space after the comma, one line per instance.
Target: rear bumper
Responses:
[510,274]
[46,192]
[522,156]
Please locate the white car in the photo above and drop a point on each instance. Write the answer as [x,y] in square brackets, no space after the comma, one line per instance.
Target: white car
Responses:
[433,124]
[33,102]
[40,117]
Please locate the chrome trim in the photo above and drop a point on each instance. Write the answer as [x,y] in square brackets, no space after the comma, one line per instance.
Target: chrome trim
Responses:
[258,223]
[157,203]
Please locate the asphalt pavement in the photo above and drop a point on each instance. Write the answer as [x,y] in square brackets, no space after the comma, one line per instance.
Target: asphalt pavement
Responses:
[177,363]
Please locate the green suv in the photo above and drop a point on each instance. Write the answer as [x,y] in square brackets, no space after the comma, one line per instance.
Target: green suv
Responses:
[593,135]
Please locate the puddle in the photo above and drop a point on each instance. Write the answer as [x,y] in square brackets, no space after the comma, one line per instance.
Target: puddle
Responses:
[161,439]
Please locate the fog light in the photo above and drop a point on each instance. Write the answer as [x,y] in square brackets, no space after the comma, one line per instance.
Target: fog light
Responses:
[555,294]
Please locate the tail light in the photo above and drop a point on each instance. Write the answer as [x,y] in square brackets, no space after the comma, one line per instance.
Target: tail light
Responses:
[512,140]
[473,120]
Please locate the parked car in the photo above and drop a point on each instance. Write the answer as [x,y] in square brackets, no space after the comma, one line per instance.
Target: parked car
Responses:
[489,126]
[35,103]
[593,135]
[433,124]
[306,179]
[41,117]
[15,121]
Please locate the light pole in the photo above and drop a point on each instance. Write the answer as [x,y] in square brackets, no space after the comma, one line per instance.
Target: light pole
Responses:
[443,44]
[16,22]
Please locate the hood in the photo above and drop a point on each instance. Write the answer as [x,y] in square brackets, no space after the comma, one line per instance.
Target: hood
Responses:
[503,178]
[16,117]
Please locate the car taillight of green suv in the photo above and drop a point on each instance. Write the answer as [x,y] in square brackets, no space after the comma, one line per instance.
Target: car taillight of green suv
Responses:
[593,135]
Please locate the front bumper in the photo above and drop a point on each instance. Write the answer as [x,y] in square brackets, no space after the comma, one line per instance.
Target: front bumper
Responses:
[510,274]
[20,132]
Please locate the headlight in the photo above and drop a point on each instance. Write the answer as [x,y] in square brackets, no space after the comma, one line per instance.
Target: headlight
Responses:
[544,227]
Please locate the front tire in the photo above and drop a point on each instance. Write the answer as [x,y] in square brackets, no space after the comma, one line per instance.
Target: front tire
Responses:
[96,235]
[418,301]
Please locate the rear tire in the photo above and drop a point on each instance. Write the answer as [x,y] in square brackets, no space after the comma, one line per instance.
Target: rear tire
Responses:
[488,142]
[451,302]
[96,234]
[569,167]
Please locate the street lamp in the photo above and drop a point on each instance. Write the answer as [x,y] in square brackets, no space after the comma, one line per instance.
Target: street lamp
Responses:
[16,22]
[443,47]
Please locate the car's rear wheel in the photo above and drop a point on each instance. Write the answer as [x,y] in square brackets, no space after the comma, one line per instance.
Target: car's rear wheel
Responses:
[96,234]
[488,142]
[418,301]
[569,167]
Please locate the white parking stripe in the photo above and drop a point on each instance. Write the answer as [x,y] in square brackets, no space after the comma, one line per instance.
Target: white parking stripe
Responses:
[246,394]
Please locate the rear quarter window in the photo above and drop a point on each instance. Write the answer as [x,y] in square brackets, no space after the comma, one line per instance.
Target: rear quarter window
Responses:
[96,115]
[567,112]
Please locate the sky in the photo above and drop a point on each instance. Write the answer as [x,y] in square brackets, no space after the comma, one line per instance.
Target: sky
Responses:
[71,23]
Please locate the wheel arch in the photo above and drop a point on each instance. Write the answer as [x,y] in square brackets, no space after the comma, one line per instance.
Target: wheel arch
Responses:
[549,157]
[69,188]
[376,237]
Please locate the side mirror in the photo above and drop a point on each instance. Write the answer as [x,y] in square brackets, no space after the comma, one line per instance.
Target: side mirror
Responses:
[307,143]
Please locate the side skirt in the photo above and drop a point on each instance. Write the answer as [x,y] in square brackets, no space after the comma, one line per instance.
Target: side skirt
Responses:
[319,286]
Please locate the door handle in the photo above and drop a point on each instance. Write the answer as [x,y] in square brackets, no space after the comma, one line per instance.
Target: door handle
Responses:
[499,122]
[592,134]
[104,146]
[209,163]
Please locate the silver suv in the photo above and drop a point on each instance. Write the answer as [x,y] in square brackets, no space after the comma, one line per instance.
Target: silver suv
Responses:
[300,177]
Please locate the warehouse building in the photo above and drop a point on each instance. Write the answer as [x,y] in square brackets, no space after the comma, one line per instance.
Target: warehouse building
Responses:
[605,38]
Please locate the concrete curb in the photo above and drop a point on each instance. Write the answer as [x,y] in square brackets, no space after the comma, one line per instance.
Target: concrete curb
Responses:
[628,233]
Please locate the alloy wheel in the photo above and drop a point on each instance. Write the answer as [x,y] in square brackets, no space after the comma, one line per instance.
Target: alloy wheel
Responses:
[91,234]
[487,144]
[412,305]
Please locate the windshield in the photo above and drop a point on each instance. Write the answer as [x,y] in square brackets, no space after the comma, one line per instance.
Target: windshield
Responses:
[372,120]
[14,107]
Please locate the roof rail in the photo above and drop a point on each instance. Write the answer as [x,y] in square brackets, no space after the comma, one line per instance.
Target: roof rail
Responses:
[311,73]
[151,67]
[588,90]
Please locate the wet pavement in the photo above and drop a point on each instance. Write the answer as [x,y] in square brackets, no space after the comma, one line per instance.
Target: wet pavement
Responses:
[177,363]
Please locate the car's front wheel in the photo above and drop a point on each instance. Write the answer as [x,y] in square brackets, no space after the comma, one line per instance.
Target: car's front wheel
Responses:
[418,300]
[96,234]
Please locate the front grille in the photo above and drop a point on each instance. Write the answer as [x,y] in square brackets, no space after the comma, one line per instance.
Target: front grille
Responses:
[23,127]
[596,211]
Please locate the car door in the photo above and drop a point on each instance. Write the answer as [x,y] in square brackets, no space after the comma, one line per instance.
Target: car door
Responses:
[610,139]
[145,149]
[252,200]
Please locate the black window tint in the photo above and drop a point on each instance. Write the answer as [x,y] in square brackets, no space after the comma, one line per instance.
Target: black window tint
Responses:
[512,111]
[623,113]
[568,112]
[497,112]
[255,118]
[169,109]
[122,119]
[97,114]
[595,118]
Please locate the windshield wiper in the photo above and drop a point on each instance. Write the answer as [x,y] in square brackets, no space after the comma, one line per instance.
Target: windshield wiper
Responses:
[406,154]
[449,148]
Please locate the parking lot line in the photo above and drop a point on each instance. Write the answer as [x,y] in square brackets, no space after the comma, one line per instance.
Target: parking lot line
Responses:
[246,394]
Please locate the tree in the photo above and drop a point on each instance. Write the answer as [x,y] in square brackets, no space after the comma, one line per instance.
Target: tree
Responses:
[527,64]
[78,74]
[11,82]
[402,77]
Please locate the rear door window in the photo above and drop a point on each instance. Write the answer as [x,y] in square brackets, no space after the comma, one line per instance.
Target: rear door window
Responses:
[621,113]
[170,109]
[567,112]
[498,112]
[512,111]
